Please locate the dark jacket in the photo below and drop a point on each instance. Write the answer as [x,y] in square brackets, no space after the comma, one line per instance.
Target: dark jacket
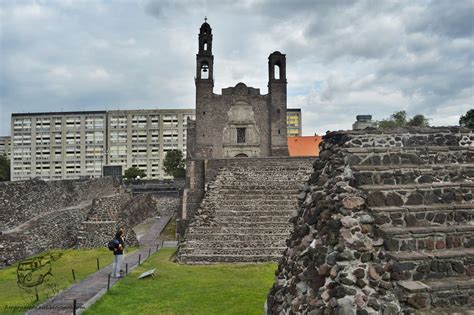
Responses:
[118,251]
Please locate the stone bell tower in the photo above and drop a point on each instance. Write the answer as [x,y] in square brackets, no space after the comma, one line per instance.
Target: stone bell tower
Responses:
[277,103]
[204,62]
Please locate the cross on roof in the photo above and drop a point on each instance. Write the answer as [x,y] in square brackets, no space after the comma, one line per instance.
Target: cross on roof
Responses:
[205,19]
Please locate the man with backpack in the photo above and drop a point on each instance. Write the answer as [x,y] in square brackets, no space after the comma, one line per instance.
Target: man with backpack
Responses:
[117,245]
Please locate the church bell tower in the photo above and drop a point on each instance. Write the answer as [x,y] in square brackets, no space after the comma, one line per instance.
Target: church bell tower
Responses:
[204,62]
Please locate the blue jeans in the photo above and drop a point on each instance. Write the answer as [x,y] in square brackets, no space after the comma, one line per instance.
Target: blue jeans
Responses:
[118,260]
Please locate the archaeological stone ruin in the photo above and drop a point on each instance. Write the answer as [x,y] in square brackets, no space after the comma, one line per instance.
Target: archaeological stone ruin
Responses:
[384,226]
[241,186]
[36,215]
[244,215]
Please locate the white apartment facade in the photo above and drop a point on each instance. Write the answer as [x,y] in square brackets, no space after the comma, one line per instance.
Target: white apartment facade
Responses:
[141,138]
[72,145]
[5,146]
[57,145]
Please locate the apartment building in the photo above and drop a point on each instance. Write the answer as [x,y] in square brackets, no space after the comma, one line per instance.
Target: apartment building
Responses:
[57,145]
[71,145]
[5,146]
[142,138]
[293,122]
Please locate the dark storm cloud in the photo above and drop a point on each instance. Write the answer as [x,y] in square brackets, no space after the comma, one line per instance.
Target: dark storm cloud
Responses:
[343,57]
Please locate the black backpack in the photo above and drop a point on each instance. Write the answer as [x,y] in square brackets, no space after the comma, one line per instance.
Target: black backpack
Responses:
[112,244]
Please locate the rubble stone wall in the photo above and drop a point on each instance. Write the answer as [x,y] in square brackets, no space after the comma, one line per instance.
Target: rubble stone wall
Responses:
[22,200]
[59,214]
[384,226]
[109,213]
[55,230]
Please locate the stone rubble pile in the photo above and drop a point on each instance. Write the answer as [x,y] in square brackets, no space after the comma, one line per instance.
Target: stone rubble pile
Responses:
[385,226]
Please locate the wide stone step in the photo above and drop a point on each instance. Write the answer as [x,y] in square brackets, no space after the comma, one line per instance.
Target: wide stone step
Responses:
[282,212]
[233,251]
[271,167]
[256,176]
[252,220]
[235,244]
[228,237]
[267,179]
[261,230]
[416,155]
[419,194]
[427,238]
[408,187]
[251,197]
[438,293]
[431,265]
[249,204]
[260,189]
[209,259]
[424,215]
[410,174]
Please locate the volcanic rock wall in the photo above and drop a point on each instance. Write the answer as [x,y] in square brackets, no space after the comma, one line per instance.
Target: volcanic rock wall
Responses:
[37,215]
[22,200]
[109,213]
[385,226]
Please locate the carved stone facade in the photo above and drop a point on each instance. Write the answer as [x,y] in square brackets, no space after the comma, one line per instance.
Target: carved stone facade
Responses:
[240,122]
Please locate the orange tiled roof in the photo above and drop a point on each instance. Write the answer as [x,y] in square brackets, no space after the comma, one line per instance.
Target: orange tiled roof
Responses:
[304,146]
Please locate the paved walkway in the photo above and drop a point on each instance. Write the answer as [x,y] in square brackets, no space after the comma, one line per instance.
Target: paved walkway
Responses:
[93,287]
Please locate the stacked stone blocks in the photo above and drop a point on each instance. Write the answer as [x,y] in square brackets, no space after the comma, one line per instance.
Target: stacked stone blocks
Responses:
[244,214]
[385,226]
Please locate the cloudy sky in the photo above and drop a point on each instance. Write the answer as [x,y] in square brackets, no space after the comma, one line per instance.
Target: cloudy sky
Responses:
[343,57]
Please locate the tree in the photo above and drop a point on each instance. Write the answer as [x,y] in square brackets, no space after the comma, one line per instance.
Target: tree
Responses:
[468,119]
[397,119]
[133,172]
[418,121]
[4,168]
[400,119]
[174,164]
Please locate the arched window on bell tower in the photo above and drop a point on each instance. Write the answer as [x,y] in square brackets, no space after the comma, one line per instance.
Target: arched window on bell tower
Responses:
[204,71]
[277,71]
[205,59]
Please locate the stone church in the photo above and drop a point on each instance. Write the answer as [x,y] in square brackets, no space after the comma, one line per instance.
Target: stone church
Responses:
[240,122]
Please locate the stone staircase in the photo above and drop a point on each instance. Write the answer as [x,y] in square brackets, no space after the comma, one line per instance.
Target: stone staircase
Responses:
[245,214]
[421,198]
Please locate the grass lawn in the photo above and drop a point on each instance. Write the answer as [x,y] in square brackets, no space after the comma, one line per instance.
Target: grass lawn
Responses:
[189,289]
[83,261]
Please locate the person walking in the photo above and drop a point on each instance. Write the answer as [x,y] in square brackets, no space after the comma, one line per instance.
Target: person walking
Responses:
[118,253]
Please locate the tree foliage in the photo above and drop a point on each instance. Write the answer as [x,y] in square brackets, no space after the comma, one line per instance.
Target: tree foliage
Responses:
[467,120]
[400,119]
[133,172]
[418,121]
[174,164]
[4,168]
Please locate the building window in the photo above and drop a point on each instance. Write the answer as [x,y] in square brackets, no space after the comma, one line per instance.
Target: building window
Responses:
[240,135]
